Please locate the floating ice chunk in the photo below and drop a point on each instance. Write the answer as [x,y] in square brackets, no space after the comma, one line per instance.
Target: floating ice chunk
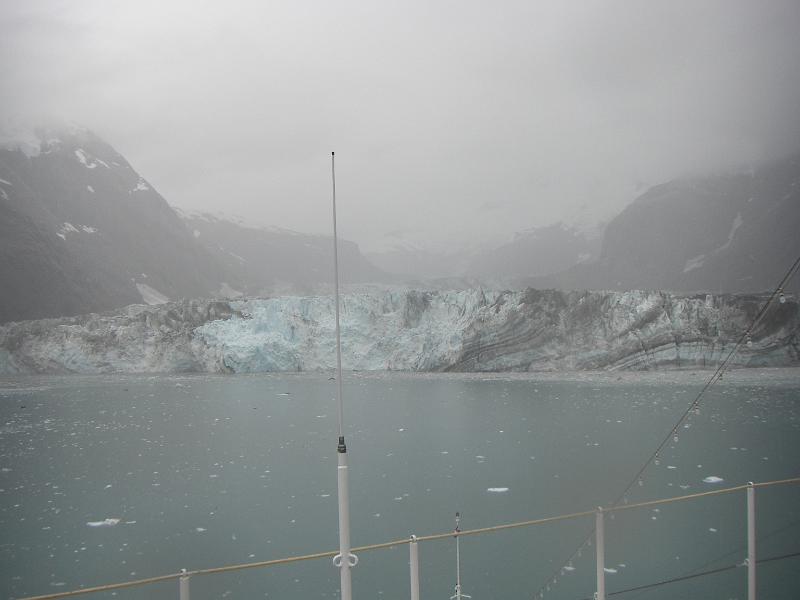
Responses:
[713,479]
[497,490]
[109,522]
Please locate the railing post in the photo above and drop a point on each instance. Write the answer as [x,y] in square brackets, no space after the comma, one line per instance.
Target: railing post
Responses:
[751,541]
[413,553]
[183,586]
[601,554]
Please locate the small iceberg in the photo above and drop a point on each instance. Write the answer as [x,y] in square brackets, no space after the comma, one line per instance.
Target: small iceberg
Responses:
[497,490]
[713,479]
[110,522]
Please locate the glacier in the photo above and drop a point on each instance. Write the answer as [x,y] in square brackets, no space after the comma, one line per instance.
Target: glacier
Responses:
[408,330]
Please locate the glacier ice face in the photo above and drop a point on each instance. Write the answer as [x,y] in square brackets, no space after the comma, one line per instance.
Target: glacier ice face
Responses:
[470,330]
[419,331]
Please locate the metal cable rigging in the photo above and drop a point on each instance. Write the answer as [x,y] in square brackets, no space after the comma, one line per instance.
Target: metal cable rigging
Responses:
[745,337]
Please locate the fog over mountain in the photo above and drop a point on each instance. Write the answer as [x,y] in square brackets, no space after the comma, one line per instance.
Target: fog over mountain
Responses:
[735,231]
[85,232]
[460,123]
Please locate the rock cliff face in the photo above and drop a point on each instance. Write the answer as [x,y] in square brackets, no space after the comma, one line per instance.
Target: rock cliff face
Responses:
[419,331]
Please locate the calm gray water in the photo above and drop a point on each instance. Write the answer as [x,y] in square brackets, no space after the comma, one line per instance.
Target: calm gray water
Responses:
[204,471]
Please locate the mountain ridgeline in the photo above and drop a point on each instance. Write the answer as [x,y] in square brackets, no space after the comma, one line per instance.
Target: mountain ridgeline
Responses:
[733,232]
[81,231]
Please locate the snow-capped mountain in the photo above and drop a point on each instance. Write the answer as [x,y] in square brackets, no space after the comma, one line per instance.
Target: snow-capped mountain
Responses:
[82,231]
[469,330]
[734,232]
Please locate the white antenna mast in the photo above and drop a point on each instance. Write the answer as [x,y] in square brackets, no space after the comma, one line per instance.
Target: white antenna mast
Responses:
[458,595]
[345,560]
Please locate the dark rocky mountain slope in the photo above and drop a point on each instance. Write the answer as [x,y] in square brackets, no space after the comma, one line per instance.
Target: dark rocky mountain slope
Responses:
[81,231]
[735,232]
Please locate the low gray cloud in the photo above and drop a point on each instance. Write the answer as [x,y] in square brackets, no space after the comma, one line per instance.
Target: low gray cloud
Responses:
[437,110]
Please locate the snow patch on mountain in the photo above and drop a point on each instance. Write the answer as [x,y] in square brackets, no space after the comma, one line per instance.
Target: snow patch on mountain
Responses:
[141,186]
[737,222]
[694,263]
[66,229]
[151,295]
[88,162]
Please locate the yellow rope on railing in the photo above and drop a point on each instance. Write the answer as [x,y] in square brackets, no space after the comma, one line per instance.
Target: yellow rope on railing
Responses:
[400,542]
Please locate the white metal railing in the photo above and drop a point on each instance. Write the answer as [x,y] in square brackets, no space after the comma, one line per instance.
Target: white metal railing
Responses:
[184,576]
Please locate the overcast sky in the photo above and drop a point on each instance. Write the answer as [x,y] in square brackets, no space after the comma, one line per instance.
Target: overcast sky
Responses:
[451,120]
